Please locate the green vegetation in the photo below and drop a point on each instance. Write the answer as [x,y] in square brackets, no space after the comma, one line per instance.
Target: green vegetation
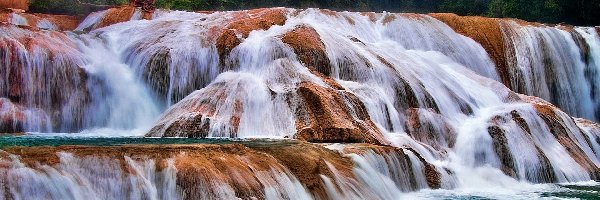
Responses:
[71,7]
[578,12]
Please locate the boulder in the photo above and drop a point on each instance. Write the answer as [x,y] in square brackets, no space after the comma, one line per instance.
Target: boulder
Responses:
[307,44]
[243,23]
[329,117]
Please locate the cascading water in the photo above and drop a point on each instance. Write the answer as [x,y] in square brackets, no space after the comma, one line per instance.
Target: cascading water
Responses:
[548,64]
[408,81]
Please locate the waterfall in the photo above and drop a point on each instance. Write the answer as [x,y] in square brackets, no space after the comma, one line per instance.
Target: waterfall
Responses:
[548,64]
[408,81]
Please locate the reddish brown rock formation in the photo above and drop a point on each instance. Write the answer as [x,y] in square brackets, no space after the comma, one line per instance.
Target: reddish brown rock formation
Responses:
[485,31]
[544,171]
[559,129]
[330,120]
[429,127]
[239,165]
[307,44]
[62,22]
[30,86]
[236,165]
[197,124]
[391,156]
[116,15]
[388,18]
[245,22]
[18,4]
[307,162]
[12,117]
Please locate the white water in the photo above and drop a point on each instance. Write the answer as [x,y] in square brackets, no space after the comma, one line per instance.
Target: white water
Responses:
[77,178]
[548,64]
[99,177]
[138,68]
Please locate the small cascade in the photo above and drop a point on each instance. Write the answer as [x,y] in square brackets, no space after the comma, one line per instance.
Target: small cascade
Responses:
[592,71]
[379,173]
[91,21]
[176,173]
[17,19]
[119,99]
[77,178]
[548,64]
[34,65]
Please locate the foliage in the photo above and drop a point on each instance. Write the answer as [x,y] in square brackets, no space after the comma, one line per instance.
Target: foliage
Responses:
[69,7]
[578,12]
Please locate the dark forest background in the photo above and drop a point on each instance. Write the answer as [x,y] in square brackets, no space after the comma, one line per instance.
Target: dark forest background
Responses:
[576,12]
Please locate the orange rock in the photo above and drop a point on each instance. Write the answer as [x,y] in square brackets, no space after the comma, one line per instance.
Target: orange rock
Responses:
[485,31]
[329,12]
[329,118]
[432,176]
[245,22]
[116,15]
[389,18]
[62,22]
[309,48]
[18,4]
[558,128]
[236,165]
[426,129]
[307,162]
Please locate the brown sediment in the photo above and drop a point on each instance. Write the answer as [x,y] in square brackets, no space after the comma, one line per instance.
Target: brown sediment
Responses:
[116,15]
[225,43]
[309,48]
[485,31]
[544,171]
[329,118]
